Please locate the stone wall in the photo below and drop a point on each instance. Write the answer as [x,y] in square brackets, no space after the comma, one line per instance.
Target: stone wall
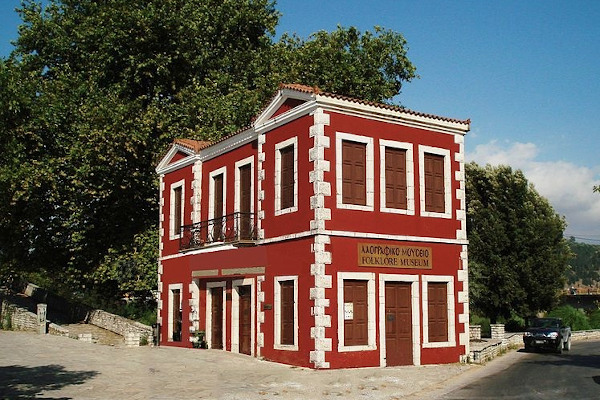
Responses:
[20,318]
[474,332]
[117,324]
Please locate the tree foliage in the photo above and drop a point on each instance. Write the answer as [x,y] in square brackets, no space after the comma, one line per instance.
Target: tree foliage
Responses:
[517,253]
[94,92]
[585,264]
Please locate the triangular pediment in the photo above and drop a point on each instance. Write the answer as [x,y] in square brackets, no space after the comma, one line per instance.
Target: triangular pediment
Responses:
[287,98]
[180,150]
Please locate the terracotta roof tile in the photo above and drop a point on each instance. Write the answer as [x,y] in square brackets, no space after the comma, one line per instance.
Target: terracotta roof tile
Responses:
[195,145]
[316,90]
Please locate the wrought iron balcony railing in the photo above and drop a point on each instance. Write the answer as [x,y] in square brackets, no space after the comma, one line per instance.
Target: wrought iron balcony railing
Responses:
[236,228]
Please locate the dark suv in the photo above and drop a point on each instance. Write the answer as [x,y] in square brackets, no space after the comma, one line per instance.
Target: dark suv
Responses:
[549,334]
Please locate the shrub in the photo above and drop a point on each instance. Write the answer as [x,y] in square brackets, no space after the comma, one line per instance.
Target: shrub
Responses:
[594,319]
[515,324]
[486,331]
[574,318]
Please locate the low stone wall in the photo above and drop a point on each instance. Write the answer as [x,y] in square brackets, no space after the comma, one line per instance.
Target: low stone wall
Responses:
[475,332]
[20,318]
[583,335]
[119,325]
[57,330]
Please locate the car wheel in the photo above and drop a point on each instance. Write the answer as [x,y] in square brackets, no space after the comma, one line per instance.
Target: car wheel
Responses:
[567,345]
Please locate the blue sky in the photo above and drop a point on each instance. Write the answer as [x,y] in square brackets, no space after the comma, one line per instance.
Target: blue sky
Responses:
[525,72]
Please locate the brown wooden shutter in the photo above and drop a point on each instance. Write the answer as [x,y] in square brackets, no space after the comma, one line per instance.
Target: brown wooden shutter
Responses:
[287,177]
[176,315]
[287,312]
[245,196]
[354,173]
[435,193]
[218,207]
[356,329]
[395,178]
[177,201]
[437,295]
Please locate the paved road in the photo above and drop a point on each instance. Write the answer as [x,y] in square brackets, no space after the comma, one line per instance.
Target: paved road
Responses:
[572,375]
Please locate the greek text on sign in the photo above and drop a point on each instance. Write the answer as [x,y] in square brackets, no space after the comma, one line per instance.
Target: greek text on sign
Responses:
[378,255]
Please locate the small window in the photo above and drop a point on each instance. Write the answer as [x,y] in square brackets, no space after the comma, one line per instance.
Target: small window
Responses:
[355,313]
[437,294]
[395,178]
[286,313]
[434,183]
[286,176]
[176,210]
[438,311]
[354,173]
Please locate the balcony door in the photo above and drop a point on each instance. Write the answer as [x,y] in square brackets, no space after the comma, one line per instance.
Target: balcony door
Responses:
[245,196]
[218,208]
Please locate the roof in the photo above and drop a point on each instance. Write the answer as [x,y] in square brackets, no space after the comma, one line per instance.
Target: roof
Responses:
[195,145]
[317,91]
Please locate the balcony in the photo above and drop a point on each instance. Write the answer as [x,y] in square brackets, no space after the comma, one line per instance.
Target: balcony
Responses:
[238,229]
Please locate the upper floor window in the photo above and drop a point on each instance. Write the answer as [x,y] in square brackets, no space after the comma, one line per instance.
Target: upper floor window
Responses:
[286,176]
[217,204]
[396,177]
[354,170]
[434,171]
[244,197]
[176,209]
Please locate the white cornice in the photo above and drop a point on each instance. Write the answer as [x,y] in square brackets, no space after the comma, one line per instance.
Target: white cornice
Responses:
[290,115]
[393,116]
[228,144]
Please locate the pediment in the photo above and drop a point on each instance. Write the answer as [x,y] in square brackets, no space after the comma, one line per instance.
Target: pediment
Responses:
[285,100]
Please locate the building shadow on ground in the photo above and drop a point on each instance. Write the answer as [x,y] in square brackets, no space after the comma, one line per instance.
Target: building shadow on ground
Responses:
[20,382]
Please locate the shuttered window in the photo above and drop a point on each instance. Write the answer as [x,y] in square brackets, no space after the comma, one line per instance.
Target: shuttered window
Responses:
[287,312]
[395,178]
[434,183]
[437,298]
[355,313]
[354,173]
[287,177]
[177,211]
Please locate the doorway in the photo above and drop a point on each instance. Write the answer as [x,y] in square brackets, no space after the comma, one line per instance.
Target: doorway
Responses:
[398,324]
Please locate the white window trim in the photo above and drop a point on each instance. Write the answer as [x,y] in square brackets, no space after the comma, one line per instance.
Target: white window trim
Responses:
[371,323]
[410,177]
[235,314]
[281,145]
[239,164]
[416,328]
[447,181]
[211,192]
[370,174]
[277,314]
[175,185]
[210,285]
[449,280]
[173,286]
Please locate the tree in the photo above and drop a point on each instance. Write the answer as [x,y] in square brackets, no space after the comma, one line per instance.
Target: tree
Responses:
[585,264]
[95,91]
[517,253]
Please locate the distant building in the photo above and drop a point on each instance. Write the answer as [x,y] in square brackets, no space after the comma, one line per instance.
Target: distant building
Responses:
[331,233]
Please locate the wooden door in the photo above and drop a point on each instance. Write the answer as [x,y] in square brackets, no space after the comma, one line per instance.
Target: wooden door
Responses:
[398,323]
[216,313]
[176,315]
[245,322]
[245,229]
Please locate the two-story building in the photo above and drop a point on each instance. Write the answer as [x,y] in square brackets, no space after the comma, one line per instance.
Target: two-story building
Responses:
[331,233]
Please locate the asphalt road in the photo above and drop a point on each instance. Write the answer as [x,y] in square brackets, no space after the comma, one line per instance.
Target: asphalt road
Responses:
[572,375]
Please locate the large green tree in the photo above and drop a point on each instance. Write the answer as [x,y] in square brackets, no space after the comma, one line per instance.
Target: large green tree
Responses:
[517,253]
[94,92]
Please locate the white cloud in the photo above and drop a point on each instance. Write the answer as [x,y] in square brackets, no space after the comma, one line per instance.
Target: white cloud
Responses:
[567,186]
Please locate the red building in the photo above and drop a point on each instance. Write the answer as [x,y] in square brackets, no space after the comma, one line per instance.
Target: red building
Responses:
[329,234]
